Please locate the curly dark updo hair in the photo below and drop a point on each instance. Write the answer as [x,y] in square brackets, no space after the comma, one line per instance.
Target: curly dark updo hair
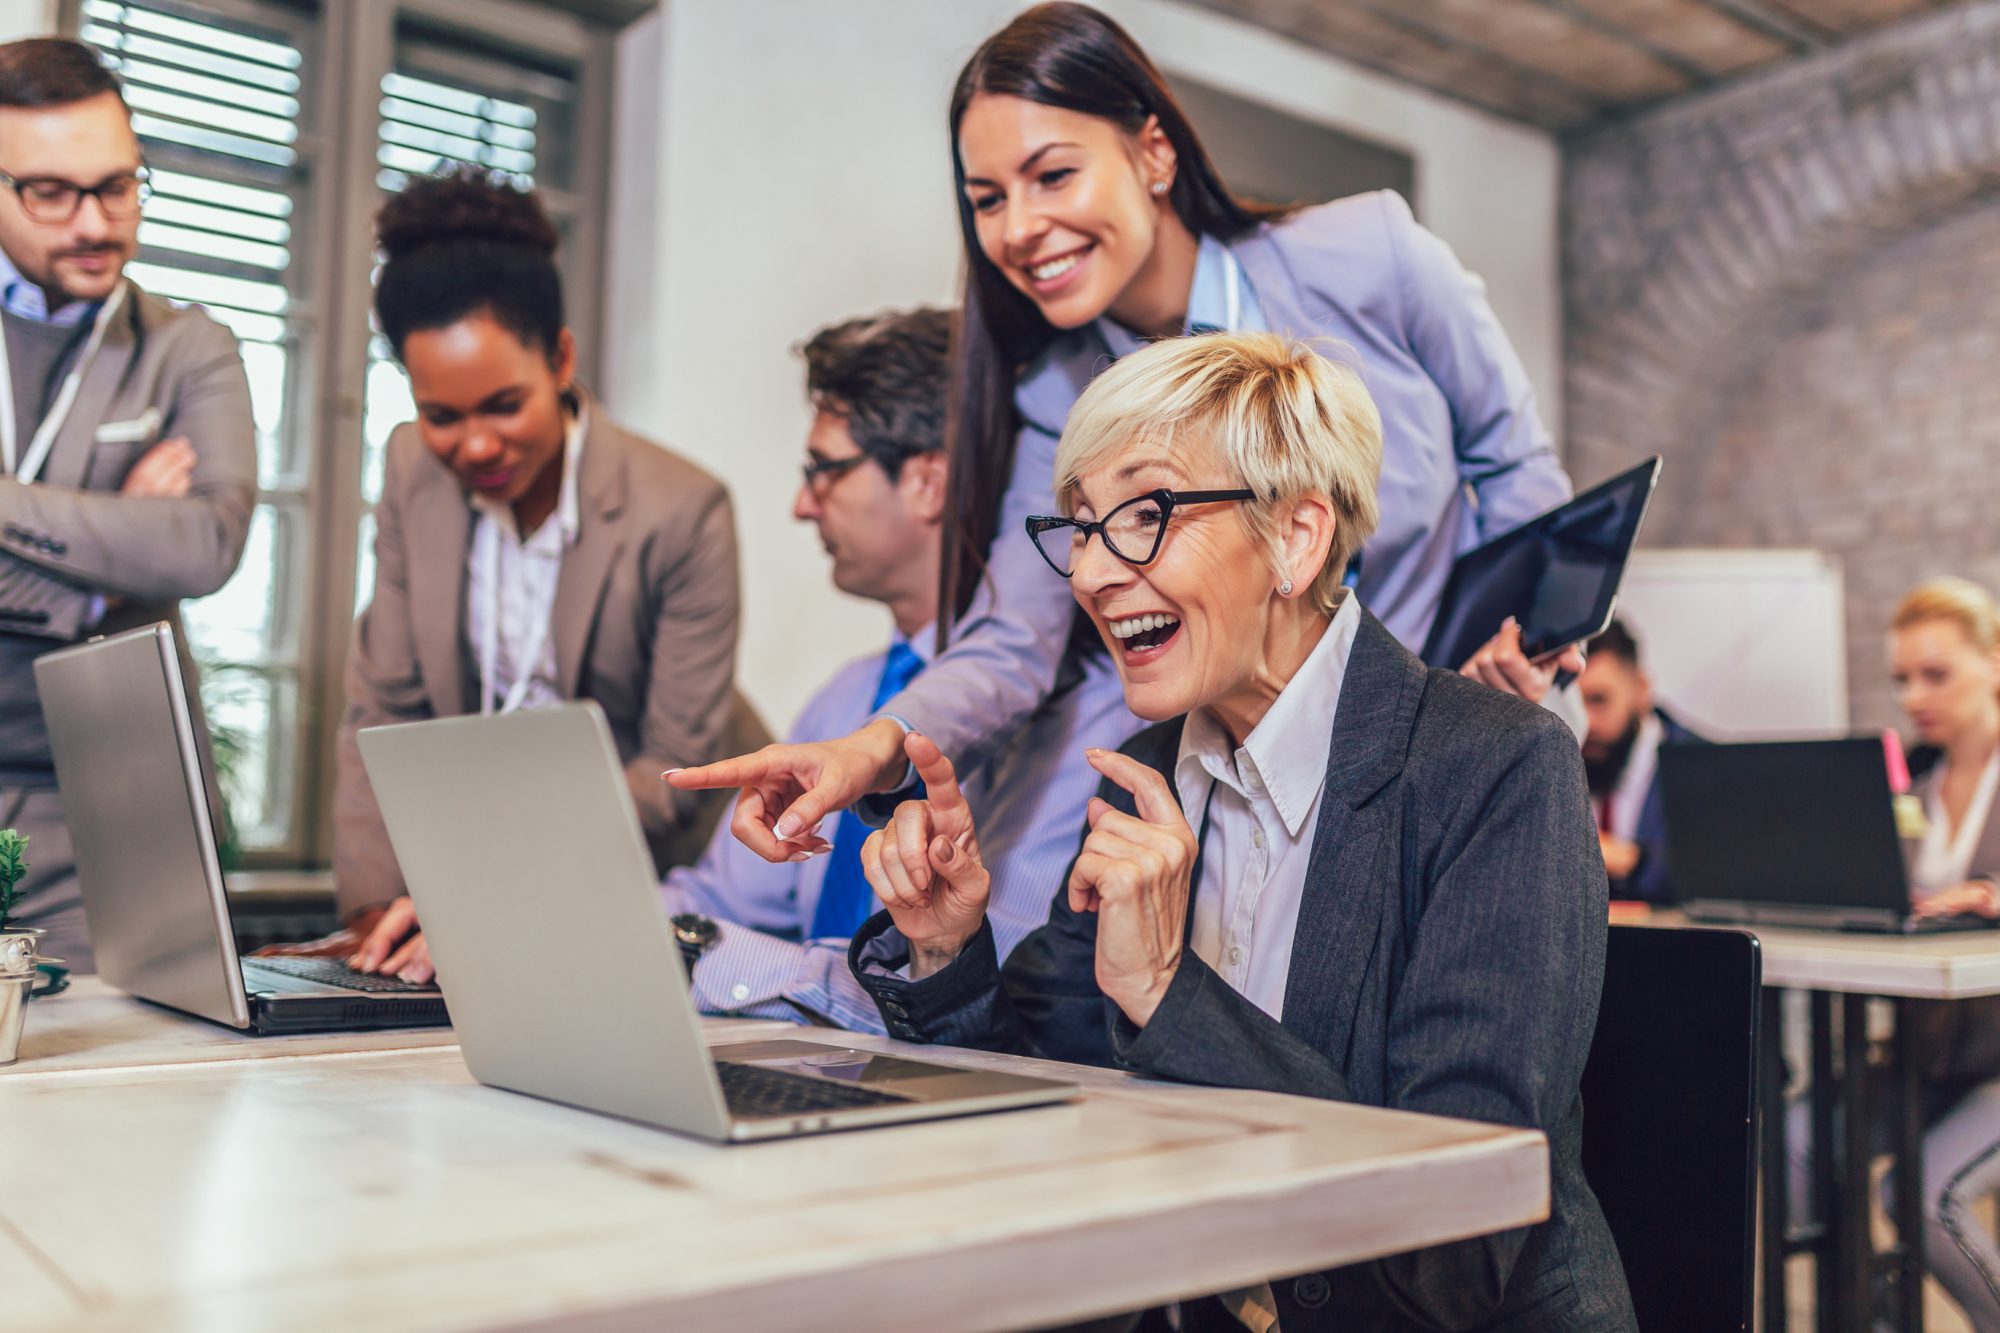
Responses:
[466,243]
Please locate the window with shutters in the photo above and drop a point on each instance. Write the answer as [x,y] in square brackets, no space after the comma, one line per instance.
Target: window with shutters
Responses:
[273,129]
[221,106]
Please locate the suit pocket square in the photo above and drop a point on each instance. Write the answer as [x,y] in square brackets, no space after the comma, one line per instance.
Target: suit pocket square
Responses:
[139,430]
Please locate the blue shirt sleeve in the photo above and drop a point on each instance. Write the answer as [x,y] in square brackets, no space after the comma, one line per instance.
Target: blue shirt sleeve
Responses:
[1503,448]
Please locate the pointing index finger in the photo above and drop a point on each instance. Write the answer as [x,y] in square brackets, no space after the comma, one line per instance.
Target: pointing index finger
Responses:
[949,812]
[1155,799]
[743,771]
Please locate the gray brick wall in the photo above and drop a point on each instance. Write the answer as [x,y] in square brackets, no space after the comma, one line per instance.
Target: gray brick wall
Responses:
[1791,290]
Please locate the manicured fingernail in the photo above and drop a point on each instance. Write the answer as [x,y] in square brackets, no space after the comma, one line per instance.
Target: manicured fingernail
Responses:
[800,856]
[670,772]
[787,828]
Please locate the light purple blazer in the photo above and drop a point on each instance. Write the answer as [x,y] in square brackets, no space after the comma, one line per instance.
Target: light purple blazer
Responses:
[1465,453]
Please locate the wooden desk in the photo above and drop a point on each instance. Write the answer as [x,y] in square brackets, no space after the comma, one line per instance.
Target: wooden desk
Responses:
[387,1189]
[1955,966]
[1902,970]
[93,1026]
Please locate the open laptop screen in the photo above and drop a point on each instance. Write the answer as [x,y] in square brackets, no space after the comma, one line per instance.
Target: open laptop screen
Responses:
[1808,823]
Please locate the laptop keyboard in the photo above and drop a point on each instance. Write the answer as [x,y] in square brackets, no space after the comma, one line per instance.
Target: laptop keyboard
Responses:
[754,1091]
[334,972]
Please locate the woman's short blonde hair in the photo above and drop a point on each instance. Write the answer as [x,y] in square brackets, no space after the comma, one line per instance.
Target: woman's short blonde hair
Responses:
[1960,602]
[1284,419]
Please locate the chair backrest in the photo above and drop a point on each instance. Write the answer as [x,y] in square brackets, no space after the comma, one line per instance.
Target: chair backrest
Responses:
[1670,1120]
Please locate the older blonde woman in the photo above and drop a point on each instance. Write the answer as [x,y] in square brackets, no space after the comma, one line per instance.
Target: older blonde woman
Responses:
[1327,870]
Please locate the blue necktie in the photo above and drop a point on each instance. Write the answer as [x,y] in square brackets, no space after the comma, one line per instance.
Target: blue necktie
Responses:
[845,900]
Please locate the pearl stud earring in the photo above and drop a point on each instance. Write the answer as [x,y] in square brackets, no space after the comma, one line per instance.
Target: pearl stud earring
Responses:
[1285,588]
[1159,187]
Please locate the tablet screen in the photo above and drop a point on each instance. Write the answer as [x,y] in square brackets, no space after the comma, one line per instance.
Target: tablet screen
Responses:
[1557,574]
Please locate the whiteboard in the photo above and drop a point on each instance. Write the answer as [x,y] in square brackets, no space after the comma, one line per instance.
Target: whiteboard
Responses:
[1742,644]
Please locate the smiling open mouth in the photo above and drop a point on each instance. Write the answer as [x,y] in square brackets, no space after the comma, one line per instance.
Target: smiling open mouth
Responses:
[1137,634]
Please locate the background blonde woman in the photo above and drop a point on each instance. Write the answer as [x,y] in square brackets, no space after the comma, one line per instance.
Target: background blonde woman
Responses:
[1944,653]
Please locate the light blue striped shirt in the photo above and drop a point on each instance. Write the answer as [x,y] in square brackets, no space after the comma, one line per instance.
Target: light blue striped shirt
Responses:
[25,300]
[1029,806]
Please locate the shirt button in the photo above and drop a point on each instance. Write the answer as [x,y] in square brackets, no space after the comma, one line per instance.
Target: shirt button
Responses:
[739,992]
[1235,955]
[1257,838]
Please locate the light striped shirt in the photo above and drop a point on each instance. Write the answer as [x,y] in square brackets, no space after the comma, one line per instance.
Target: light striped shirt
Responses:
[1028,805]
[20,297]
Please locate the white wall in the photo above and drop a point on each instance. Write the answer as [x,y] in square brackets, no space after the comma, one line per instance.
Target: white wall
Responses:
[26,18]
[783,164]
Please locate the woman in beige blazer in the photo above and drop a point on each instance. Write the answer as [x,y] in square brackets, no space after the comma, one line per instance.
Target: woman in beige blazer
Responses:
[528,550]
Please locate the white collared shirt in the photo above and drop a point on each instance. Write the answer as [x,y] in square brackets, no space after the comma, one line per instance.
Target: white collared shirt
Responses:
[517,580]
[1944,857]
[1628,798]
[1262,805]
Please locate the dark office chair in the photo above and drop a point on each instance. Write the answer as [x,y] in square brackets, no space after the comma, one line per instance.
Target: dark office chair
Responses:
[1670,1120]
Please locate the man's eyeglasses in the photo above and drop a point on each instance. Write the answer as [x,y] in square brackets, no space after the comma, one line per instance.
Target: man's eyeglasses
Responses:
[821,473]
[1132,532]
[52,199]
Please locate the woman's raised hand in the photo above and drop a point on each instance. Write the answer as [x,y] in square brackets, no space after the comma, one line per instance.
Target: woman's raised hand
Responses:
[1135,872]
[925,865]
[789,789]
[1501,664]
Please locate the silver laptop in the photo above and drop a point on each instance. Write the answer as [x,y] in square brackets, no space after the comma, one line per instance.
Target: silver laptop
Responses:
[138,810]
[520,844]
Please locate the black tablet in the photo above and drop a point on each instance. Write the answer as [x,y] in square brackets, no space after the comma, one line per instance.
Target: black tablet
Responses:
[1558,574]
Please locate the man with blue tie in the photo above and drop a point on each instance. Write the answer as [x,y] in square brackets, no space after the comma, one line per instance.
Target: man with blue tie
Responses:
[770,940]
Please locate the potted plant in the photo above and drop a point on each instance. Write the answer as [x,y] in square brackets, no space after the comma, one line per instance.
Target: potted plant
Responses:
[17,947]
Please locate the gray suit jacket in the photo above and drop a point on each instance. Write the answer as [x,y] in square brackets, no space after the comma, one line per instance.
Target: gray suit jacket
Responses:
[1457,413]
[71,537]
[645,625]
[1448,959]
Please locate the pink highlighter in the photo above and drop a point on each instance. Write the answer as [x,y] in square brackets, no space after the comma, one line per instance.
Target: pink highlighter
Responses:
[1899,766]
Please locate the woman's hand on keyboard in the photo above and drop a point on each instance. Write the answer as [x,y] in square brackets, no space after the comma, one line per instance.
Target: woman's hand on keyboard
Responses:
[386,950]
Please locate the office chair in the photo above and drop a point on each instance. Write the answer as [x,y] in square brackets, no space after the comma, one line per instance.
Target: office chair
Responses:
[1670,1120]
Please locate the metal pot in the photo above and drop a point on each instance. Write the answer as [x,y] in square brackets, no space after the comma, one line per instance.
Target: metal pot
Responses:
[17,978]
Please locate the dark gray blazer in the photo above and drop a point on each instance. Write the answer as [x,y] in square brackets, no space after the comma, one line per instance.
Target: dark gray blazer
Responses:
[1449,959]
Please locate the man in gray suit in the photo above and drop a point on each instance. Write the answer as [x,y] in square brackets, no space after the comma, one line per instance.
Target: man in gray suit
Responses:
[126,439]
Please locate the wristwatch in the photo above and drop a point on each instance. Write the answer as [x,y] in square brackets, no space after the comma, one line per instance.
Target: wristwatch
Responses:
[694,933]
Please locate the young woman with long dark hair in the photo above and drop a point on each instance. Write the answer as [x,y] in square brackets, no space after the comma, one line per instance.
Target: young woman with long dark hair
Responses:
[1094,222]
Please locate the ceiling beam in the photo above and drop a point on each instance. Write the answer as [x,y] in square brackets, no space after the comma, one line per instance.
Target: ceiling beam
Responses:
[1396,15]
[1801,35]
[1692,70]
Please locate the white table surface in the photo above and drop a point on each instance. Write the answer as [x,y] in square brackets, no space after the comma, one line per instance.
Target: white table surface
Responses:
[93,1026]
[386,1189]
[1955,965]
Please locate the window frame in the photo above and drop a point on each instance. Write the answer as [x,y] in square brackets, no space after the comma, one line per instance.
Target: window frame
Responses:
[350,46]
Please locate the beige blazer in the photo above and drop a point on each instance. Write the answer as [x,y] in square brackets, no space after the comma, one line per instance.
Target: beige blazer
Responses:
[645,625]
[161,372]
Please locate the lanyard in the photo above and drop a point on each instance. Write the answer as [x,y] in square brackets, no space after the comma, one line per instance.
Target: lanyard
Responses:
[28,468]
[1232,293]
[489,639]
